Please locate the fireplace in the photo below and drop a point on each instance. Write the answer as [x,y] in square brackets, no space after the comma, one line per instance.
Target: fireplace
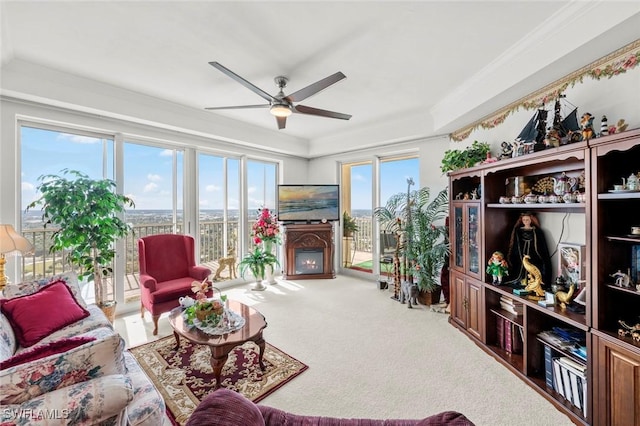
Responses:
[308,251]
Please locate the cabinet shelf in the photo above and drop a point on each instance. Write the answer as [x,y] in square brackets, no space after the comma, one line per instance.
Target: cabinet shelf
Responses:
[618,196]
[539,206]
[562,351]
[629,290]
[511,317]
[514,360]
[573,412]
[626,238]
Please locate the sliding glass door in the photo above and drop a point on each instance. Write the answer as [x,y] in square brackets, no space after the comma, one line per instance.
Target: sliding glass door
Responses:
[361,193]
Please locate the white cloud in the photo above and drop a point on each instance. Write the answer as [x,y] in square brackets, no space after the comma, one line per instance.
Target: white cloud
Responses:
[78,138]
[166,153]
[358,177]
[154,178]
[26,186]
[212,188]
[150,187]
[251,190]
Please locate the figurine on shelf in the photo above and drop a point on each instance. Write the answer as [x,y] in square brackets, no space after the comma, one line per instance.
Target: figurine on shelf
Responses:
[497,267]
[563,298]
[527,238]
[586,125]
[507,150]
[534,277]
[604,128]
[622,279]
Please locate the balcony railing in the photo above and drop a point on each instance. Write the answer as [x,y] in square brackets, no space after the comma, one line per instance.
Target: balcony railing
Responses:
[42,263]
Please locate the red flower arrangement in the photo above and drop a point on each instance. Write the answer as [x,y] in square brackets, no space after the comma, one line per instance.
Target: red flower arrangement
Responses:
[265,227]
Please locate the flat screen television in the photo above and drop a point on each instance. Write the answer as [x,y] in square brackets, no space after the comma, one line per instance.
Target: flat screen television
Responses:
[308,203]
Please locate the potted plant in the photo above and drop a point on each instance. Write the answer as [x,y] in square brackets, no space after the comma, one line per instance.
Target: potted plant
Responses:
[455,159]
[86,213]
[257,261]
[349,225]
[428,246]
[419,222]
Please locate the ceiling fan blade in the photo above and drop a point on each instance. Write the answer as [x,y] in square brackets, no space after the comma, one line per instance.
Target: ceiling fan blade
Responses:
[301,109]
[282,122]
[242,81]
[239,107]
[314,88]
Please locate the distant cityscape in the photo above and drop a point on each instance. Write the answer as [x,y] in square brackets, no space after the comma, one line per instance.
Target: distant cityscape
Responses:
[32,219]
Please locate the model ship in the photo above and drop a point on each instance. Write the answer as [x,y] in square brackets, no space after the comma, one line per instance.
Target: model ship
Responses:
[564,130]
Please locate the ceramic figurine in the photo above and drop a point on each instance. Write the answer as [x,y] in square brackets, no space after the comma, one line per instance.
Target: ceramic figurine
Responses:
[586,125]
[604,128]
[497,267]
[632,182]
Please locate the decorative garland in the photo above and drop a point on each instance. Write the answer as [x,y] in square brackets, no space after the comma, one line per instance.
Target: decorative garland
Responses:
[618,62]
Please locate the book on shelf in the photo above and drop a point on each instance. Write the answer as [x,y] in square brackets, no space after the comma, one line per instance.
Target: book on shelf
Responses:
[548,367]
[566,382]
[507,336]
[516,339]
[574,378]
[635,263]
[511,305]
[557,376]
[580,352]
[500,331]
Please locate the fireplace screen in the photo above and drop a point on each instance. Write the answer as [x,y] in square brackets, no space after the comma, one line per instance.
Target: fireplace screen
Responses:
[309,261]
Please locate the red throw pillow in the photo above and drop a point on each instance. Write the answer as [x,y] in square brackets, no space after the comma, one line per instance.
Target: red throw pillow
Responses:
[57,347]
[35,316]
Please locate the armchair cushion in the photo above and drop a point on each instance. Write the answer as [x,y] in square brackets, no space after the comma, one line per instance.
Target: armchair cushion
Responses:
[44,351]
[35,316]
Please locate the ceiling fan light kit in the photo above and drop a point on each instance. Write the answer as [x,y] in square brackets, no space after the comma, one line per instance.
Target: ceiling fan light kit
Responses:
[280,110]
[281,106]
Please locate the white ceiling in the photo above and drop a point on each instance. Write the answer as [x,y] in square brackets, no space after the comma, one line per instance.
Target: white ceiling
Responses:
[444,63]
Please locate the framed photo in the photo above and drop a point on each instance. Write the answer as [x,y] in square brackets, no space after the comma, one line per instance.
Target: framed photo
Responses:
[572,263]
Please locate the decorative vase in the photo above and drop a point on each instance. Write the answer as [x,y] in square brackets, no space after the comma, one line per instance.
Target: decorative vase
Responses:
[259,286]
[268,247]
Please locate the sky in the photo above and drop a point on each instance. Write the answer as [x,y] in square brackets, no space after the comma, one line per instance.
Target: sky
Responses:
[148,172]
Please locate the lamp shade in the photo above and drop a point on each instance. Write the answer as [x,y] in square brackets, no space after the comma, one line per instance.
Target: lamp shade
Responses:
[11,241]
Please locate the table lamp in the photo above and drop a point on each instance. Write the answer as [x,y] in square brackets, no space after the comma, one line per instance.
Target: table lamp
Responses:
[10,243]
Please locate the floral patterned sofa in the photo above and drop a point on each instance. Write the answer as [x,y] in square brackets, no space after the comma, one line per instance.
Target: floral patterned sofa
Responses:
[61,362]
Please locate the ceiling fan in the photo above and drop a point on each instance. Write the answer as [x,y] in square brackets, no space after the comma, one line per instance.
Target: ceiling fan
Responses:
[282,106]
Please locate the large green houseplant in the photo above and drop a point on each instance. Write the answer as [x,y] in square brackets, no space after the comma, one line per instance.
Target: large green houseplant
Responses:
[418,220]
[455,159]
[86,212]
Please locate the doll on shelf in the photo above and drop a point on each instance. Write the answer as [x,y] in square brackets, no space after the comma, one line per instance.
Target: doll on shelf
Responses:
[497,267]
[527,238]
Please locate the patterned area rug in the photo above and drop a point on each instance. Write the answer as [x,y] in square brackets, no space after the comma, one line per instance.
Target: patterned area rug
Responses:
[185,377]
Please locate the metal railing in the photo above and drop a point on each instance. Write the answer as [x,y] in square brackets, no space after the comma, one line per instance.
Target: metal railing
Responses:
[42,263]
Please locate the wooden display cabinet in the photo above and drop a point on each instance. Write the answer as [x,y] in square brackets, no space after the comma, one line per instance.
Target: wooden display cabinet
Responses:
[466,304]
[616,365]
[466,230]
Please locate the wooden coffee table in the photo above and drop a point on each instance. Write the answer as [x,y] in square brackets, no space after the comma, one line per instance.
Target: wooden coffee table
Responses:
[222,345]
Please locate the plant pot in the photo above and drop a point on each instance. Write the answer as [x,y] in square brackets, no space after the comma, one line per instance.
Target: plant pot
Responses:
[109,309]
[429,298]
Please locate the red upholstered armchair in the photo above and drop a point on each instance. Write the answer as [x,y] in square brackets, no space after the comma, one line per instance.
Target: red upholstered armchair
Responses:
[167,269]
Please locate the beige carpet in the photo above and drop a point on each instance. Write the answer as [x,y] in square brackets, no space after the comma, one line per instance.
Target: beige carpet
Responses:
[370,356]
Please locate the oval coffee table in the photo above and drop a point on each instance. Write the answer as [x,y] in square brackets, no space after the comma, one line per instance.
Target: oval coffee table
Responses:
[222,345]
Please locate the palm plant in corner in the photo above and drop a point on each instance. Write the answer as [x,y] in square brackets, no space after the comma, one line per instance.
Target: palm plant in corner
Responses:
[87,214]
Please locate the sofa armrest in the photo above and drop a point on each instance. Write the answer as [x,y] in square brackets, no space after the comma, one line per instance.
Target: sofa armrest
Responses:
[199,272]
[148,282]
[85,403]
[101,357]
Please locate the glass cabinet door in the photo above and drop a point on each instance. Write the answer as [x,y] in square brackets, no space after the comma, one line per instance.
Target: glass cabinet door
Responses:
[473,266]
[458,243]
